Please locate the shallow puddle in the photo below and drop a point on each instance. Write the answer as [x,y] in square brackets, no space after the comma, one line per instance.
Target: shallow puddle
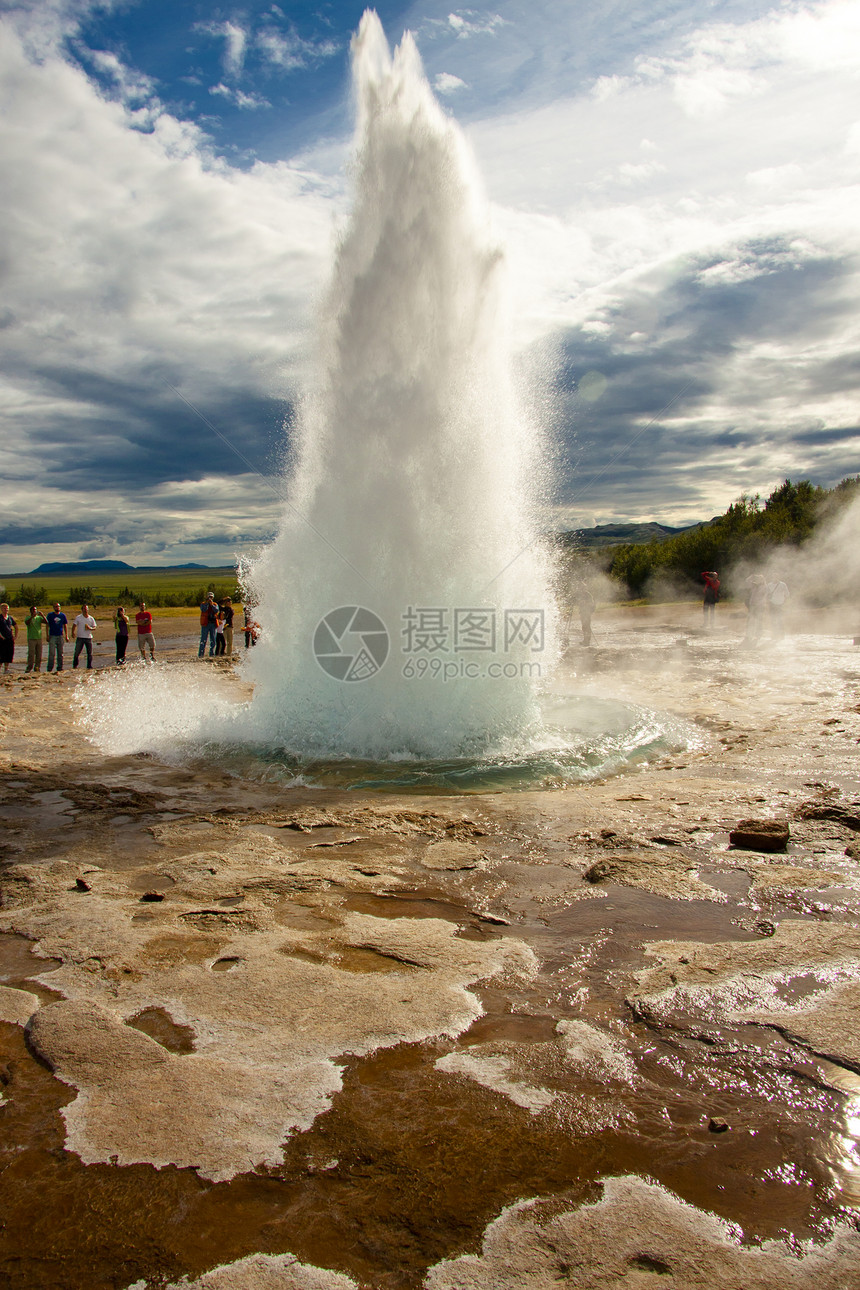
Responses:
[290,913]
[151,881]
[19,965]
[631,916]
[160,1026]
[513,1027]
[355,958]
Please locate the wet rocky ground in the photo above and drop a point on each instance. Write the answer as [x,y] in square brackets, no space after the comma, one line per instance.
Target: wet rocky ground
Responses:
[258,1036]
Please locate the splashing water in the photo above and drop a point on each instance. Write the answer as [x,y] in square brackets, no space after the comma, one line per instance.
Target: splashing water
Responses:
[414,492]
[406,610]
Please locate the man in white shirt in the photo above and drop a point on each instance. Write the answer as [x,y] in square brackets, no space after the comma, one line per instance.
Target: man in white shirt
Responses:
[82,631]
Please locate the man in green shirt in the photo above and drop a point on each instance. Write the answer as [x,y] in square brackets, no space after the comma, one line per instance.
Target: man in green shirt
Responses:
[36,622]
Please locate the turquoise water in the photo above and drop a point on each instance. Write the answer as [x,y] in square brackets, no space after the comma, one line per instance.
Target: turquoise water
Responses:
[581,739]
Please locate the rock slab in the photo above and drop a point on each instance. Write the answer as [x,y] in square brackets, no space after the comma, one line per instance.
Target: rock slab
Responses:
[760,835]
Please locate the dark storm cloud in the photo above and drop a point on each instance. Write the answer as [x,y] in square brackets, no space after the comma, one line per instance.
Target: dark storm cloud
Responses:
[140,433]
[25,534]
[845,434]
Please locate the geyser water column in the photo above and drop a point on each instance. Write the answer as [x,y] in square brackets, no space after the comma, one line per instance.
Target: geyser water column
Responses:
[405,605]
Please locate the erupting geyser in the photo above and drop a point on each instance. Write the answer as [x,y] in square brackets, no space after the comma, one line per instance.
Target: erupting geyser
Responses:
[406,604]
[417,469]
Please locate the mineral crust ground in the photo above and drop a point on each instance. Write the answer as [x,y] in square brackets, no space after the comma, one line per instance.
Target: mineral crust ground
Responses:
[260,1036]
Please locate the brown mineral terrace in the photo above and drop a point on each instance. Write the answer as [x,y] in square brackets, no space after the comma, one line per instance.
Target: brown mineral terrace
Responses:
[254,1035]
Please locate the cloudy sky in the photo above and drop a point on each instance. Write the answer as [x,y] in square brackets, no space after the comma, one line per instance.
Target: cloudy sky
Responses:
[676,184]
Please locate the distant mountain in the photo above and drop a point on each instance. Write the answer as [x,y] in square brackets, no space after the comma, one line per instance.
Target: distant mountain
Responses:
[620,534]
[83,566]
[58,568]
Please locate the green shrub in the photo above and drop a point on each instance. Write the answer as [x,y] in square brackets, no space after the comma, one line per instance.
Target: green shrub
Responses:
[28,594]
[748,531]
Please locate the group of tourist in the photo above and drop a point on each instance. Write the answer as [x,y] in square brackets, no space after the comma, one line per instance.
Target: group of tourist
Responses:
[56,625]
[216,623]
[216,627]
[762,598]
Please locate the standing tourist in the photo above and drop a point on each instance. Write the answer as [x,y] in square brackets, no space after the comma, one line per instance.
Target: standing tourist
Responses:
[82,634]
[219,634]
[8,636]
[208,624]
[120,625]
[145,636]
[227,612]
[58,633]
[35,621]
[712,594]
[250,627]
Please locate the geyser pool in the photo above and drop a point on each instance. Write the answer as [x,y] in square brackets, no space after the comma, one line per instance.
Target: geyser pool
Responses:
[188,713]
[583,738]
[408,621]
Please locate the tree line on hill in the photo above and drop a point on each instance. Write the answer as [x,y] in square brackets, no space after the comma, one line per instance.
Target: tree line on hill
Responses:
[31,594]
[748,533]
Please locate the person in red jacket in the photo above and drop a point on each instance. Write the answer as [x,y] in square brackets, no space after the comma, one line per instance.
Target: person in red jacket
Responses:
[143,618]
[712,594]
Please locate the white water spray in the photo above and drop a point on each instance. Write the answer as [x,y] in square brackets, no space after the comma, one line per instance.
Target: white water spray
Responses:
[406,607]
[417,470]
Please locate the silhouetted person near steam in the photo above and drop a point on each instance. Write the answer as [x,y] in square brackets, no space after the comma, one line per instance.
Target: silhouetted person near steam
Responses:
[712,595]
[227,612]
[584,602]
[756,600]
[251,626]
[777,596]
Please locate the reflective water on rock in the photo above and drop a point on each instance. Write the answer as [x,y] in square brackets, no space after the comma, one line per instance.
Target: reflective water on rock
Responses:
[160,1026]
[19,965]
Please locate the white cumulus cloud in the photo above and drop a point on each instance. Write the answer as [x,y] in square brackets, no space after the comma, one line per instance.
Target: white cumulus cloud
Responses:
[447,83]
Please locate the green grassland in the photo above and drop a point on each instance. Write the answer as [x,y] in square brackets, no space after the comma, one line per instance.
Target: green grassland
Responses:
[160,588]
